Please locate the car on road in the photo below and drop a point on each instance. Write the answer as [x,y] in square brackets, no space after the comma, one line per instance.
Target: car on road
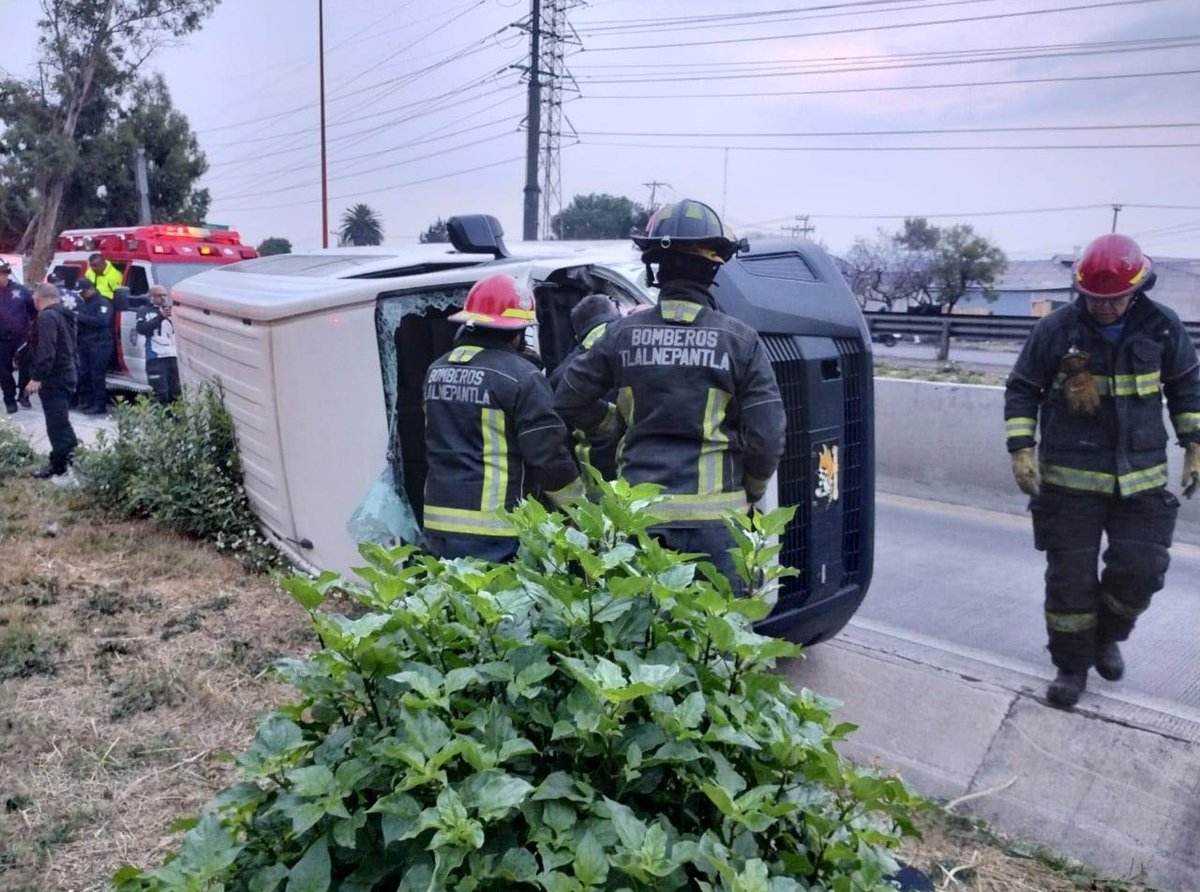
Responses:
[321,357]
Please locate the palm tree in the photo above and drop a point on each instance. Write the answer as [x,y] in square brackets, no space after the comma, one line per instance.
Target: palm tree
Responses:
[360,226]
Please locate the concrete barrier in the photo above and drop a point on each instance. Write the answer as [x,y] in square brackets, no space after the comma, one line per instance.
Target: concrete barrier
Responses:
[942,441]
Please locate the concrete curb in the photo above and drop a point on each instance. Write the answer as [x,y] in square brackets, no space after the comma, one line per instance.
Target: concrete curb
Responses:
[1115,784]
[945,442]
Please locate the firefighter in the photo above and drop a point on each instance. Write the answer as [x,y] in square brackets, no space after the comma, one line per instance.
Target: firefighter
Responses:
[1094,373]
[590,318]
[695,389]
[101,273]
[490,428]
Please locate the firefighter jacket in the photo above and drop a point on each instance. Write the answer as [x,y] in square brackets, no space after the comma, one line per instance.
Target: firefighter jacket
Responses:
[698,397]
[52,347]
[491,435]
[17,312]
[107,281]
[158,331]
[1121,447]
[600,448]
[95,318]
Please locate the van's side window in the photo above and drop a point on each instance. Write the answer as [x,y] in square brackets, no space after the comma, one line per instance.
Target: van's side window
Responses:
[137,281]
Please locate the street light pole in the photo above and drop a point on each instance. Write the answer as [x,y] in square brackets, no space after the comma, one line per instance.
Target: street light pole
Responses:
[324,172]
[1116,210]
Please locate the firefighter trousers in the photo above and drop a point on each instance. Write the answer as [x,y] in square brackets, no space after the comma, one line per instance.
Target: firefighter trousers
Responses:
[1084,609]
[710,539]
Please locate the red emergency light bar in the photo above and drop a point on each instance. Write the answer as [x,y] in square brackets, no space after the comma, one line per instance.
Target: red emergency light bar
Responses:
[158,239]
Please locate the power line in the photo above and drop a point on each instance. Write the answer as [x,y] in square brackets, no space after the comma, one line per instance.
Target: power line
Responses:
[725,20]
[377,190]
[915,132]
[869,28]
[774,72]
[904,87]
[1005,148]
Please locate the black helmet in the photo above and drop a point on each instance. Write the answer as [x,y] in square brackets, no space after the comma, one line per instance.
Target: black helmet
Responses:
[689,227]
[592,311]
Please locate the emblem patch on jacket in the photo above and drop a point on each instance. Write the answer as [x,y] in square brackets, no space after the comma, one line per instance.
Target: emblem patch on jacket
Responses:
[1079,387]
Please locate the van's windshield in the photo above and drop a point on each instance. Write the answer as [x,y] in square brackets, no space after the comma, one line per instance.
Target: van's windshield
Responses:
[171,274]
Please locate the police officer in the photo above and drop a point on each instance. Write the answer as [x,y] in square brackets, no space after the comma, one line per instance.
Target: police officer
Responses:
[17,313]
[162,365]
[590,318]
[1094,373]
[695,389]
[490,428]
[94,315]
[52,367]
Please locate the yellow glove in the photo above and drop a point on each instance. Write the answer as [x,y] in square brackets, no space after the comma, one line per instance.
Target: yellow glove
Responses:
[1191,470]
[1025,472]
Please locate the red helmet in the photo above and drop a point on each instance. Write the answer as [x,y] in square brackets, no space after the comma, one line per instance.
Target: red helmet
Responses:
[498,302]
[1113,266]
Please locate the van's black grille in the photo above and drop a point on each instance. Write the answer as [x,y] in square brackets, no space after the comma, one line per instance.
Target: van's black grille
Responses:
[854,375]
[793,475]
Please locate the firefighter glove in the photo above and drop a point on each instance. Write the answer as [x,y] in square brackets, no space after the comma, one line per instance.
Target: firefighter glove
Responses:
[1025,472]
[1191,469]
[755,488]
[1079,387]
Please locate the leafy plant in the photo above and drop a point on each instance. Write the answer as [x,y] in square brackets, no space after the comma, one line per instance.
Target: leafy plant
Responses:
[596,715]
[179,465]
[15,452]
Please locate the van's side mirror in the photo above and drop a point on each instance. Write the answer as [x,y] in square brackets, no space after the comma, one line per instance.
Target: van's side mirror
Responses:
[477,234]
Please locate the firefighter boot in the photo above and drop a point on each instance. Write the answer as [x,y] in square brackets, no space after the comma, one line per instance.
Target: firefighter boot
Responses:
[1109,663]
[1065,690]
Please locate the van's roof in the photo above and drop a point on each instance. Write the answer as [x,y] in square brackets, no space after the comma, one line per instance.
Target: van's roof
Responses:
[285,285]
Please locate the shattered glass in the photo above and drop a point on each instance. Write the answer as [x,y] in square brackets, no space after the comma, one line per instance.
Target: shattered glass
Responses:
[386,515]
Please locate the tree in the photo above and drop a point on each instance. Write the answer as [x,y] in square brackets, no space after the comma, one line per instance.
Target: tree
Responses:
[886,272]
[361,226]
[436,233]
[274,245]
[599,216]
[918,235]
[965,261]
[91,51]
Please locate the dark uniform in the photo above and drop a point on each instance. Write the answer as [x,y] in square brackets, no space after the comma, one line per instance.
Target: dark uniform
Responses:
[598,449]
[52,364]
[491,435]
[701,407]
[95,317]
[1104,472]
[17,313]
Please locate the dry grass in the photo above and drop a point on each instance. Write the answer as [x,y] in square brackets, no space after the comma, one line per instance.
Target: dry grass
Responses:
[959,854]
[130,660]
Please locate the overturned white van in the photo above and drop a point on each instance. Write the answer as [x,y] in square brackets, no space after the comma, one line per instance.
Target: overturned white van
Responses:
[322,356]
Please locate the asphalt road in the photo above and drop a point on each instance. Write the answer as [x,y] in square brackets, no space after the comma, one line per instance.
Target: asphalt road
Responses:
[972,578]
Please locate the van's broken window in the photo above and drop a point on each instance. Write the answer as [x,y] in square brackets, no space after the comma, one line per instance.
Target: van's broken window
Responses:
[412,332]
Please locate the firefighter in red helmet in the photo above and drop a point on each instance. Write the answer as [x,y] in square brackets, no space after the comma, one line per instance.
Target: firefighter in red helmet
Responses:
[1094,374]
[695,389]
[490,428]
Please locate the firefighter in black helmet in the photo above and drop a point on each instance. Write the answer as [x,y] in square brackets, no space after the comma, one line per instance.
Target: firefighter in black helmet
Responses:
[490,428]
[694,388]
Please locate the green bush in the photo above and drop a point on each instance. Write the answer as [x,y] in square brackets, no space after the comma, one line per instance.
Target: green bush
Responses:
[179,465]
[598,714]
[16,455]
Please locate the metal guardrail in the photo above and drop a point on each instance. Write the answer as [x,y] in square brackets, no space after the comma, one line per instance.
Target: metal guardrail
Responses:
[939,328]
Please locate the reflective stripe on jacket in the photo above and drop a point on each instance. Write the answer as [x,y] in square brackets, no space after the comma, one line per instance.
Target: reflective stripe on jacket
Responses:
[107,281]
[490,423]
[1122,447]
[698,397]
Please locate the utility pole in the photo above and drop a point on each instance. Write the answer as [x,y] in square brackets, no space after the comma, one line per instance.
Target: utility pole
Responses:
[1116,210]
[143,186]
[533,124]
[725,183]
[653,187]
[801,228]
[324,169]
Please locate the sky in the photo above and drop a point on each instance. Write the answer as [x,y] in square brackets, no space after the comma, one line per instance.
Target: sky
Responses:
[1027,119]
